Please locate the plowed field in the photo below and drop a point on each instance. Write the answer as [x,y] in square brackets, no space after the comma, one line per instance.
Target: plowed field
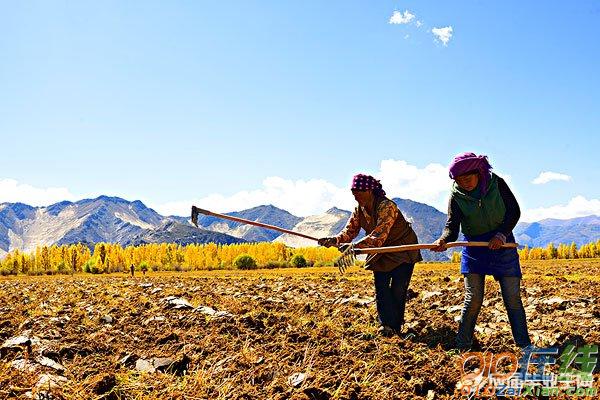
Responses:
[293,333]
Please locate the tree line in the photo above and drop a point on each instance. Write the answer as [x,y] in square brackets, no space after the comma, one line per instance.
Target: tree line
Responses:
[111,257]
[553,252]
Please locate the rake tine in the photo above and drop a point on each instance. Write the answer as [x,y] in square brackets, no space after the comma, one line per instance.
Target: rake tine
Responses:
[346,260]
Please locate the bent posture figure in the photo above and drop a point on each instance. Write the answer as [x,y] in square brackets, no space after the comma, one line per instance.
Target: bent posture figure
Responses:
[384,225]
[484,208]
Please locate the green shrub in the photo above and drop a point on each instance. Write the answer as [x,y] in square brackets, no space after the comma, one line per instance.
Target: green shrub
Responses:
[244,261]
[61,268]
[298,261]
[324,264]
[143,266]
[87,267]
[276,264]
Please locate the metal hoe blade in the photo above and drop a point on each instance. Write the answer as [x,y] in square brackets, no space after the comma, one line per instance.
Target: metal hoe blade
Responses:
[195,216]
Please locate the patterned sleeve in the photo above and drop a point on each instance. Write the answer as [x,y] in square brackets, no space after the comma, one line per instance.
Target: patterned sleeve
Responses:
[387,213]
[351,229]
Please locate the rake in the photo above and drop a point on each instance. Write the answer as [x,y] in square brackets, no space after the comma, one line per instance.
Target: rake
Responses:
[348,257]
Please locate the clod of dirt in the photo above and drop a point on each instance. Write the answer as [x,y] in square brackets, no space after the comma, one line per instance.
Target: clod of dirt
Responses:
[427,295]
[177,302]
[23,365]
[51,334]
[411,294]
[171,337]
[316,394]
[296,379]
[25,324]
[128,361]
[154,319]
[163,364]
[212,312]
[144,366]
[60,321]
[356,300]
[46,362]
[69,352]
[17,342]
[104,384]
[48,382]
[554,300]
[107,319]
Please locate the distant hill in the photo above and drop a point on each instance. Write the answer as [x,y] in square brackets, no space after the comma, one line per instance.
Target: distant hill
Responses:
[268,214]
[103,219]
[427,222]
[175,232]
[329,223]
[579,230]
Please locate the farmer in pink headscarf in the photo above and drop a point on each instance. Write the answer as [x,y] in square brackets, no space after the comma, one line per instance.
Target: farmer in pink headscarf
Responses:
[384,225]
[484,208]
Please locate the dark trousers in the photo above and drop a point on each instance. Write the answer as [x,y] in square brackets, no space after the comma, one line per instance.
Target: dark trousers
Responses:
[390,294]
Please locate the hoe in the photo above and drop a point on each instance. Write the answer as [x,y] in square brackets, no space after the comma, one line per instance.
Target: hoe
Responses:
[348,257]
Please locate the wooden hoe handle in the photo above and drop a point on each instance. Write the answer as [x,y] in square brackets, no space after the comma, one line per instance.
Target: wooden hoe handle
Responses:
[425,246]
[196,210]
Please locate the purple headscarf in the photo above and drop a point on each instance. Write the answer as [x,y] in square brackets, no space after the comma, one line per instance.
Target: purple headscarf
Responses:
[367,182]
[467,162]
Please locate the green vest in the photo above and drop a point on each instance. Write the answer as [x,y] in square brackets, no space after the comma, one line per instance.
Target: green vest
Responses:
[480,215]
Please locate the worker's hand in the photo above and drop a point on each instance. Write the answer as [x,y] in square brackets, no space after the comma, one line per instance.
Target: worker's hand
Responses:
[327,241]
[440,246]
[497,241]
[344,246]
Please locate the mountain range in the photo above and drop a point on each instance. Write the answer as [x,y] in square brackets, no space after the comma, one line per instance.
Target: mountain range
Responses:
[103,219]
[113,219]
[579,230]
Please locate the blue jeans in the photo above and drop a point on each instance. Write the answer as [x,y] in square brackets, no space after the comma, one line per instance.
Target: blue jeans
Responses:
[390,294]
[474,290]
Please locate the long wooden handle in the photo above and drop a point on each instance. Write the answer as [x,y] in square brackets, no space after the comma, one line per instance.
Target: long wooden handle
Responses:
[425,246]
[246,221]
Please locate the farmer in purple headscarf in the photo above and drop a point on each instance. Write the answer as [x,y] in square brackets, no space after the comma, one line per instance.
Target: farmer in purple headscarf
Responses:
[384,225]
[484,208]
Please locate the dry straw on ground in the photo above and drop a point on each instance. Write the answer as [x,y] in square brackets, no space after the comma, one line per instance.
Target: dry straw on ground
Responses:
[303,334]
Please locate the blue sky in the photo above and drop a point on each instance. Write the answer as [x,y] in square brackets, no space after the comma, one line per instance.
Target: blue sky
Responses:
[234,104]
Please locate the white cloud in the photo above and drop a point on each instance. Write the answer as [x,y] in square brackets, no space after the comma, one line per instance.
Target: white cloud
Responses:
[430,185]
[443,34]
[399,18]
[418,24]
[298,197]
[11,191]
[545,177]
[578,206]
